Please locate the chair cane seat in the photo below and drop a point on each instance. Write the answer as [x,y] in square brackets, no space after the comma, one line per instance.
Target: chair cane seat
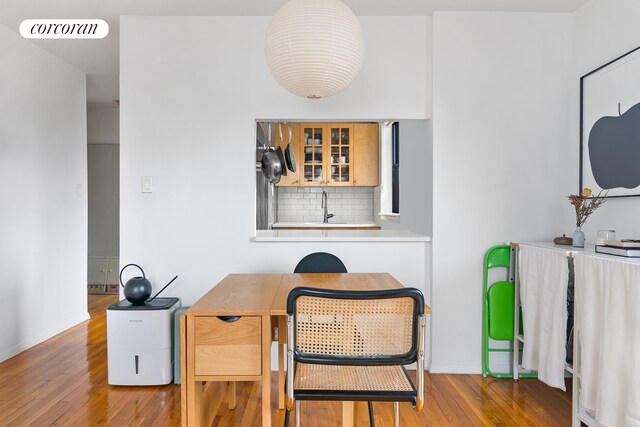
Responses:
[349,378]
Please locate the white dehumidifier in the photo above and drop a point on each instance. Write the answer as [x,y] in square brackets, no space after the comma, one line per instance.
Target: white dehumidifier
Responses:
[139,338]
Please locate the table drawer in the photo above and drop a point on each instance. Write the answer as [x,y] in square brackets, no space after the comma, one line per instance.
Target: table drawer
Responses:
[228,348]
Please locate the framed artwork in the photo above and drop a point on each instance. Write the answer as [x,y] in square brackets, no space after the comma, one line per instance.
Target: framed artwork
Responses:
[610,127]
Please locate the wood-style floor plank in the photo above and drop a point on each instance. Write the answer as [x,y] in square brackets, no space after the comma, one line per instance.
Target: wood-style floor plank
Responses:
[63,382]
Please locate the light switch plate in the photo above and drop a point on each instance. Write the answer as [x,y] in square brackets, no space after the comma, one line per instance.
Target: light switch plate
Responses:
[147,184]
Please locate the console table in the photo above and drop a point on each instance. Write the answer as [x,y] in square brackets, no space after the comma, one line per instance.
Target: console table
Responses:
[607,294]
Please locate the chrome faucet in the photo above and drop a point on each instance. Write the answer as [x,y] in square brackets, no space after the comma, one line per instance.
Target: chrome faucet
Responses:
[324,206]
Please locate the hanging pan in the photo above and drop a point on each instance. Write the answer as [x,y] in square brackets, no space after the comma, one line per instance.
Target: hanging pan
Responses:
[289,154]
[280,153]
[270,162]
[271,165]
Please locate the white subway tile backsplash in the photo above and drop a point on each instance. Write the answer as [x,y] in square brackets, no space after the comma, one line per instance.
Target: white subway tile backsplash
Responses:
[348,204]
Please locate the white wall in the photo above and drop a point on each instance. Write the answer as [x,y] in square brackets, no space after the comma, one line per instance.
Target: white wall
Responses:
[191,90]
[500,114]
[43,177]
[603,31]
[416,178]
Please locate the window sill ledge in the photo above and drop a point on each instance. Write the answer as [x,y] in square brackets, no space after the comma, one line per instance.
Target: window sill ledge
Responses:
[389,216]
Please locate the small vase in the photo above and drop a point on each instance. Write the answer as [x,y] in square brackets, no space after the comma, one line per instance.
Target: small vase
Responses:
[578,238]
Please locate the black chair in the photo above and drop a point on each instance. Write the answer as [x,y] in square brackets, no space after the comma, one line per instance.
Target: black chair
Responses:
[320,262]
[353,346]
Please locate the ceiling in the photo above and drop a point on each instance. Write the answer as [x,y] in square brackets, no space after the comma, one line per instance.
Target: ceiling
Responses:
[99,59]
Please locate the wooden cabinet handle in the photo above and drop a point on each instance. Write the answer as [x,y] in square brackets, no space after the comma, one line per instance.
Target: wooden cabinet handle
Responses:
[355,182]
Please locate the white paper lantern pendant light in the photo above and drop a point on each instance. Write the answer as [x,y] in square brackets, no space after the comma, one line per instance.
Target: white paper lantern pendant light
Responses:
[314,48]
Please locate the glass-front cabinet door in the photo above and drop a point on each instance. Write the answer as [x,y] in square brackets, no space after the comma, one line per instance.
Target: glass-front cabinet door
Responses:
[328,155]
[340,149]
[313,150]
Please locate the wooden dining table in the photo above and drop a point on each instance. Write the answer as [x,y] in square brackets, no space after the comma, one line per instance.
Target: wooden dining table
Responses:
[226,336]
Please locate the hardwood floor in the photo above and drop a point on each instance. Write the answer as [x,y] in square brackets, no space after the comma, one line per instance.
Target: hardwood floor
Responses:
[63,381]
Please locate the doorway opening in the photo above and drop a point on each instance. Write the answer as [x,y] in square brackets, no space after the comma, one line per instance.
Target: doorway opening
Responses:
[103,183]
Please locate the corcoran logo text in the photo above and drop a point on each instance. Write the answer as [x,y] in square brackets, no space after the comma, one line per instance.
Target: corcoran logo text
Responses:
[64,29]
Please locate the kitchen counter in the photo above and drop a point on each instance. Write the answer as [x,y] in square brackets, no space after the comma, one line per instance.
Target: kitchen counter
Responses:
[325,225]
[339,236]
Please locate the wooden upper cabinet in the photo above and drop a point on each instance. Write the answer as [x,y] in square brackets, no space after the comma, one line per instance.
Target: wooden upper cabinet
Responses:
[293,178]
[366,155]
[312,138]
[334,155]
[339,161]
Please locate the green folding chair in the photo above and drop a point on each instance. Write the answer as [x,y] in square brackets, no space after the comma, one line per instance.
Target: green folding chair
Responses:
[497,307]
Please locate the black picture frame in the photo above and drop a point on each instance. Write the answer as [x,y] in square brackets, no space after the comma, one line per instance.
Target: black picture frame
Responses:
[606,95]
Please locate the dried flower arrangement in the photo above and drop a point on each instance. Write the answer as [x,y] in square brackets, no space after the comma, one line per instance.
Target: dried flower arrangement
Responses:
[585,204]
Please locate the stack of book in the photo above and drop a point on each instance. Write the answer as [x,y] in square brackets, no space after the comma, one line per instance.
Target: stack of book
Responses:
[625,247]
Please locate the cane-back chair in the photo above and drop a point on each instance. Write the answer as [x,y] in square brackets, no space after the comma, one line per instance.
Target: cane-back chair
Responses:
[354,345]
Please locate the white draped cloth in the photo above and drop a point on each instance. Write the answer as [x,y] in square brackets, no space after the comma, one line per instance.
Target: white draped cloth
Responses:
[544,275]
[608,312]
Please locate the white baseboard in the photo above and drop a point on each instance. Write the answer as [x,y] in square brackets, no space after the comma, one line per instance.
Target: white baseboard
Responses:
[472,368]
[445,368]
[501,368]
[20,347]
